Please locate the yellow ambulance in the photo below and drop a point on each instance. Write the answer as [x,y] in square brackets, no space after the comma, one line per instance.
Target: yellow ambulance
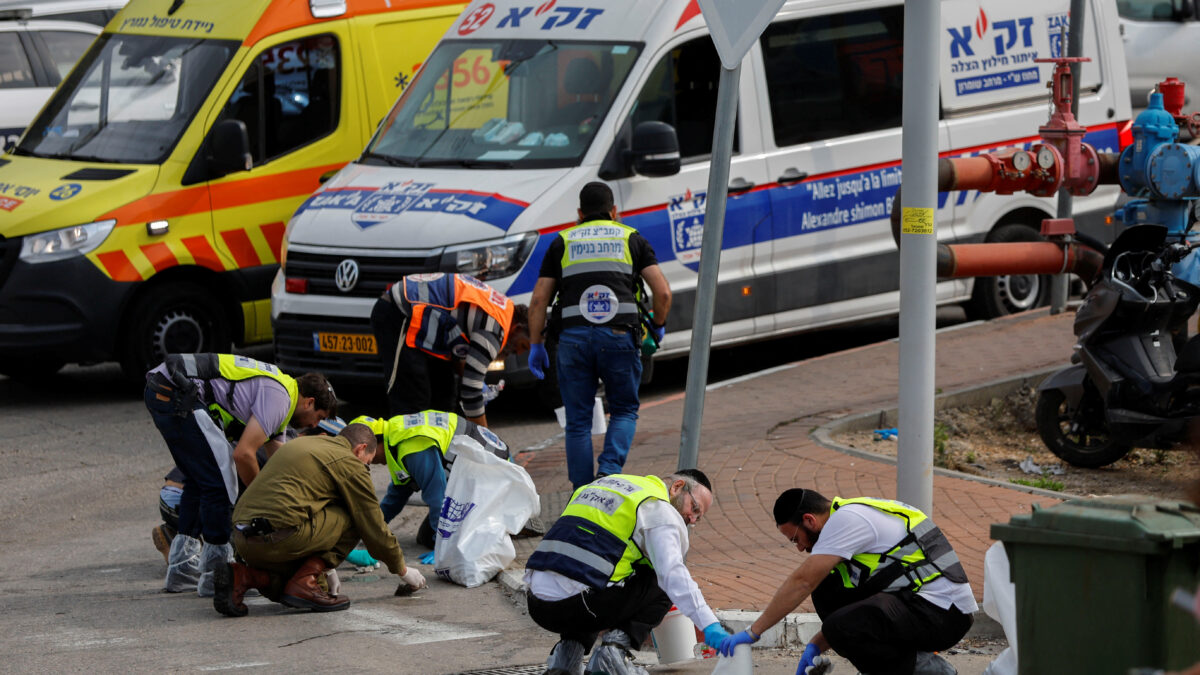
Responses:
[143,210]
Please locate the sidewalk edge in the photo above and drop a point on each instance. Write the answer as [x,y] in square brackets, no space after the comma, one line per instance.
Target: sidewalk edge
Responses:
[877,419]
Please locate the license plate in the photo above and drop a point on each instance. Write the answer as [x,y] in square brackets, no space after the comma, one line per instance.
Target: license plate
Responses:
[344,343]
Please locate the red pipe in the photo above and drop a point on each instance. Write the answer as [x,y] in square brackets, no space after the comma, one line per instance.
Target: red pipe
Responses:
[986,260]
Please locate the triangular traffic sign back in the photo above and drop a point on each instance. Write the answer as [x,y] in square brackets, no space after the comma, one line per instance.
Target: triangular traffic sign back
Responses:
[736,24]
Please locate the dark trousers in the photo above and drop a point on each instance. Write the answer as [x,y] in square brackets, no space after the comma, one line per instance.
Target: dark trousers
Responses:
[204,509]
[634,608]
[415,381]
[881,633]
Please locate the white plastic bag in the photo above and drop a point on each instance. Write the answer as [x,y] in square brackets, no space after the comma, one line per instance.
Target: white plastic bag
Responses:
[1000,603]
[487,499]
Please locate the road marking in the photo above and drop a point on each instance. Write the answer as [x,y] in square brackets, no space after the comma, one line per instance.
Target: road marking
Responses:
[234,666]
[405,630]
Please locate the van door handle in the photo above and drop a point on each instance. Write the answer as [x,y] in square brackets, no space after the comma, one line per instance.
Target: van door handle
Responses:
[327,175]
[739,185]
[791,175]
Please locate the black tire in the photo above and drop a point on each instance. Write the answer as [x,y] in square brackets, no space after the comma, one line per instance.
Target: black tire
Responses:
[1012,293]
[1081,438]
[30,368]
[176,318]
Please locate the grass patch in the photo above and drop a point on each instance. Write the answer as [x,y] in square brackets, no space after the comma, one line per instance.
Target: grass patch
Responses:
[1044,483]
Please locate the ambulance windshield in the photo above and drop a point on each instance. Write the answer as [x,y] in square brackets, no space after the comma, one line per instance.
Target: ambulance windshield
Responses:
[128,100]
[504,104]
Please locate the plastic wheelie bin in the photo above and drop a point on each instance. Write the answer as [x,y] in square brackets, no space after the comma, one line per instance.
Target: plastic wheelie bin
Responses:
[1093,582]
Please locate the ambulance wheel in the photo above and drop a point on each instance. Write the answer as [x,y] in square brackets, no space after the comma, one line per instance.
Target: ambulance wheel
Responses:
[1011,293]
[179,318]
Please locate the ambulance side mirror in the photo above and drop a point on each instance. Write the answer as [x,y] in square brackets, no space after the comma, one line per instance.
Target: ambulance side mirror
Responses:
[229,148]
[655,150]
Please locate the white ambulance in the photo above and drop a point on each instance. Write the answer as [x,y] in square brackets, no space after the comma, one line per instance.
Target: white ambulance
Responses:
[479,164]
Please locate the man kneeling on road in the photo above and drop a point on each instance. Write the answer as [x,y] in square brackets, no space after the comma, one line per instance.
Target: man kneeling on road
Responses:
[304,512]
[887,585]
[613,563]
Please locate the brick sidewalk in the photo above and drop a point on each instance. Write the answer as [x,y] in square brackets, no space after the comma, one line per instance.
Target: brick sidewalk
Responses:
[756,442]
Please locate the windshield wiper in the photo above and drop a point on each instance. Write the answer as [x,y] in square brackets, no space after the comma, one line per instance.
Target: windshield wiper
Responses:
[389,159]
[468,163]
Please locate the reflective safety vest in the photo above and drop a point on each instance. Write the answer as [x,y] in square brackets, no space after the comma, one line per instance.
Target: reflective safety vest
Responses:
[233,368]
[592,542]
[439,427]
[921,556]
[433,298]
[598,279]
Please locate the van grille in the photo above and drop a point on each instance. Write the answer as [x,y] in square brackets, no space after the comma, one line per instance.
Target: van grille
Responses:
[375,273]
[295,352]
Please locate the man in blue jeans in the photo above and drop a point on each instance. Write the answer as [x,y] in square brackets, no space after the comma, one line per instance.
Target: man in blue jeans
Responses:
[593,268]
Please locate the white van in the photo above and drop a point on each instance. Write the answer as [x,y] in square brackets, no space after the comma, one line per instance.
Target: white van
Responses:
[480,162]
[35,55]
[1162,39]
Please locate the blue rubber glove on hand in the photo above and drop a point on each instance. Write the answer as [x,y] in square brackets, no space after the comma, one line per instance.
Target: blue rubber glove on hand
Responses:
[659,332]
[714,635]
[730,643]
[539,360]
[810,652]
[360,558]
[426,558]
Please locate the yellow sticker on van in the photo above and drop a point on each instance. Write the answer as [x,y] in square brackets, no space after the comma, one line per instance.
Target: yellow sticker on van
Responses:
[917,221]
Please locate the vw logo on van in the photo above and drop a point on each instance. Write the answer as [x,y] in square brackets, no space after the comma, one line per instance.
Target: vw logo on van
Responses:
[346,276]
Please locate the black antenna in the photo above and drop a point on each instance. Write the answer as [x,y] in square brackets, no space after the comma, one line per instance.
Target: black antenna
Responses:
[175,6]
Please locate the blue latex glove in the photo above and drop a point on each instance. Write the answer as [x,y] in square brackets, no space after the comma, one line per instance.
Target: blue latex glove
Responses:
[810,652]
[539,360]
[360,558]
[728,644]
[659,332]
[426,558]
[715,635]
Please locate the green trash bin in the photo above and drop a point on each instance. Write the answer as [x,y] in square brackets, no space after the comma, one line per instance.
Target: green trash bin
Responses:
[1093,582]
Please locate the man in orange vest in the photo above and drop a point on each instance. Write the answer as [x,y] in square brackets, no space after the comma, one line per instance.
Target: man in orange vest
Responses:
[430,327]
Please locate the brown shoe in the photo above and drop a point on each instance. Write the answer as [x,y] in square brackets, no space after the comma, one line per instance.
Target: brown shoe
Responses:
[305,591]
[162,535]
[230,583]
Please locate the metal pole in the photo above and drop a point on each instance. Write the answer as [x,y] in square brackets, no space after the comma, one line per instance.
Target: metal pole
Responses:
[710,260]
[1066,207]
[918,253]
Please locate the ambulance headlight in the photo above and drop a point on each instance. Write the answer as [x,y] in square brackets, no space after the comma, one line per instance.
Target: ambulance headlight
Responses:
[66,242]
[489,259]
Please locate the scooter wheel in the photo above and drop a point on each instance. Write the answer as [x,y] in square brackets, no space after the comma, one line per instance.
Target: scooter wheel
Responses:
[1080,437]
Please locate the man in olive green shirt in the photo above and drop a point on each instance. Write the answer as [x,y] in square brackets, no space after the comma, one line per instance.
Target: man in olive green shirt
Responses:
[306,510]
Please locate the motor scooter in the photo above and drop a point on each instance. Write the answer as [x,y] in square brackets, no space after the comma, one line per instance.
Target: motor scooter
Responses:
[1128,385]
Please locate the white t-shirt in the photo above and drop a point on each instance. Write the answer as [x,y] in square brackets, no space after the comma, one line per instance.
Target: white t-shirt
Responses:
[662,534]
[858,528]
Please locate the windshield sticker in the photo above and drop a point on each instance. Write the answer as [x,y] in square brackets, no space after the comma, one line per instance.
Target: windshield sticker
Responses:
[503,155]
[65,191]
[168,23]
[986,54]
[21,191]
[9,203]
[372,206]
[686,212]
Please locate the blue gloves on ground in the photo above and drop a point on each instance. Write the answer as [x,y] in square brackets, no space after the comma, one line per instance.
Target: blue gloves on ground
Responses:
[715,635]
[810,652]
[539,360]
[730,643]
[659,332]
[426,558]
[360,558]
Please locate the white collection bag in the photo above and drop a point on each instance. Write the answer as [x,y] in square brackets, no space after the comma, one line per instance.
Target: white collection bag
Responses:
[487,499]
[1000,603]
